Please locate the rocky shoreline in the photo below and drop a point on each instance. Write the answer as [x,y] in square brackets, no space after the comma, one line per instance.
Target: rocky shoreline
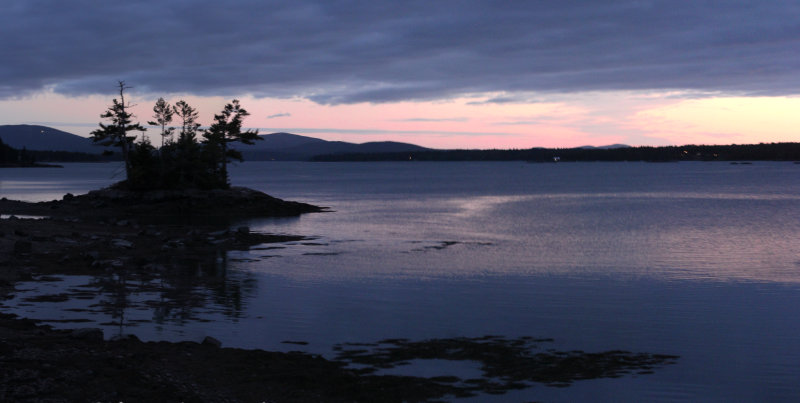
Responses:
[194,205]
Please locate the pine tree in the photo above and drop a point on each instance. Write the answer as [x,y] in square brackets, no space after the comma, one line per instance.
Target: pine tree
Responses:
[227,128]
[162,113]
[188,116]
[8,155]
[116,133]
[183,156]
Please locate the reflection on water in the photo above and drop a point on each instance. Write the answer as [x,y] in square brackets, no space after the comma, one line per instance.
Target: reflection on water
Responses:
[164,299]
[737,335]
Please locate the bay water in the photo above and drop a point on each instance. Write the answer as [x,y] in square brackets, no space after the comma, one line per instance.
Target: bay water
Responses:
[699,260]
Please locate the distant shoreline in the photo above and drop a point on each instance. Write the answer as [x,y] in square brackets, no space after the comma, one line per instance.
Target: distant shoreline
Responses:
[33,165]
[292,147]
[728,153]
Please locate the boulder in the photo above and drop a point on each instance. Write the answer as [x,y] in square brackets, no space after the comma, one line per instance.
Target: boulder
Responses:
[121,243]
[22,247]
[210,341]
[87,333]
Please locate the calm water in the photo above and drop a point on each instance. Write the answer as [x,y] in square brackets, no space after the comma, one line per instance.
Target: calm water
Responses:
[700,260]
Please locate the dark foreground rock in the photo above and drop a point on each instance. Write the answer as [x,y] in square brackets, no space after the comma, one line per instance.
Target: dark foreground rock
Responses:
[39,364]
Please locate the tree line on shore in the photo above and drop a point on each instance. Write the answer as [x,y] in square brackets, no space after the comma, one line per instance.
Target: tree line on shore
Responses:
[12,157]
[744,152]
[9,155]
[196,159]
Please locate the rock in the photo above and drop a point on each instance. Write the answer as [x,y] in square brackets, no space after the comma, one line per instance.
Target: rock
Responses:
[22,247]
[210,341]
[149,231]
[121,243]
[108,264]
[154,267]
[68,196]
[243,230]
[217,234]
[87,333]
[68,241]
[124,337]
[6,349]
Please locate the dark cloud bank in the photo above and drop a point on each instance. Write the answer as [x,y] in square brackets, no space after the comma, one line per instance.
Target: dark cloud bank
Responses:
[381,51]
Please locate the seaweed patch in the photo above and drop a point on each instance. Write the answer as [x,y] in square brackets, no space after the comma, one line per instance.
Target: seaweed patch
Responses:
[506,363]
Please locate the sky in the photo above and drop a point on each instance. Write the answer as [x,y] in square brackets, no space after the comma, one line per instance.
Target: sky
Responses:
[441,74]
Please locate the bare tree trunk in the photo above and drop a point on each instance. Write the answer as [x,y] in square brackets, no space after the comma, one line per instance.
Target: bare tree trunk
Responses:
[225,161]
[121,127]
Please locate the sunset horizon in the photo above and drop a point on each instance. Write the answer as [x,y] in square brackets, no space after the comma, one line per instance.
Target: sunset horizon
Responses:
[442,76]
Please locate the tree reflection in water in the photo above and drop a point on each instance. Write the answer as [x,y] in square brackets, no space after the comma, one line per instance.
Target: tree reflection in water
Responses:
[176,292]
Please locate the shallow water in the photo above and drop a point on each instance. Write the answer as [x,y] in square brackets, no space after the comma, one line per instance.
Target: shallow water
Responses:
[699,260]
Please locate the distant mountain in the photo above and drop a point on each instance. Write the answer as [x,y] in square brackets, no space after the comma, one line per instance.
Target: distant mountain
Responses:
[277,141]
[608,147]
[43,138]
[293,147]
[275,146]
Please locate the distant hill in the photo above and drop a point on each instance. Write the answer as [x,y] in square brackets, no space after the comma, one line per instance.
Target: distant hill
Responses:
[275,146]
[608,147]
[43,138]
[47,144]
[282,140]
[293,147]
